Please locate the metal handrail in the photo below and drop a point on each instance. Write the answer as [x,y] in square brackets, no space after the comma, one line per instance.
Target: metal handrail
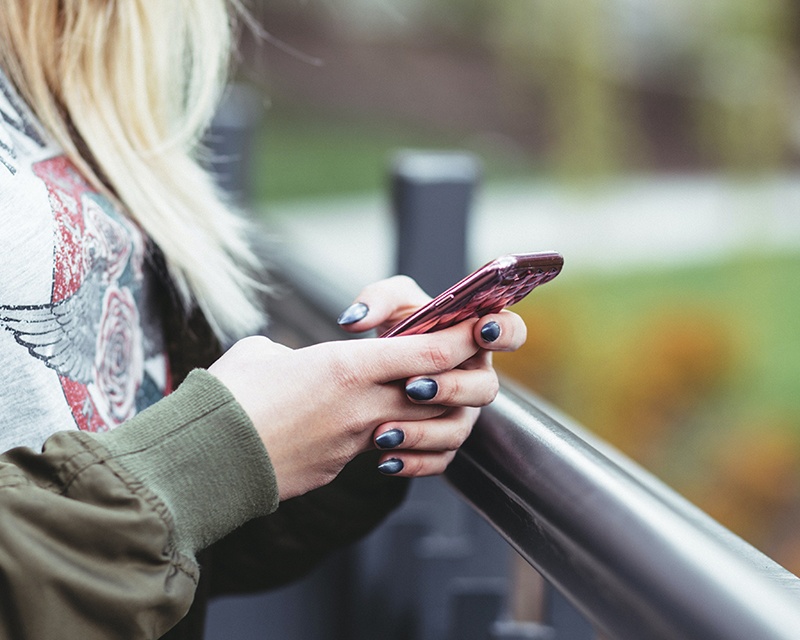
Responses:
[636,559]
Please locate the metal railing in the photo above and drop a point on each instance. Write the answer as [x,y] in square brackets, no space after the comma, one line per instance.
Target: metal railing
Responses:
[636,559]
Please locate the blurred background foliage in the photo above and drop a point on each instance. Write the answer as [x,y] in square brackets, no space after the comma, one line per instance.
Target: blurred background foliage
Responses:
[693,369]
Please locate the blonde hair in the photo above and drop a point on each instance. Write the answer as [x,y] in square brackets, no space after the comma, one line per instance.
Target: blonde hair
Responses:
[127,88]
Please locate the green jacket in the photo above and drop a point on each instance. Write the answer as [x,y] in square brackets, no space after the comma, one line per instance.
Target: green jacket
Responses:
[119,535]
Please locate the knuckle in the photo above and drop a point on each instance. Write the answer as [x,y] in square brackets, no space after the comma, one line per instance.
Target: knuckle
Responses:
[459,435]
[437,357]
[403,281]
[393,283]
[344,371]
[370,289]
[449,392]
[456,439]
[491,389]
[406,286]
[414,438]
[441,462]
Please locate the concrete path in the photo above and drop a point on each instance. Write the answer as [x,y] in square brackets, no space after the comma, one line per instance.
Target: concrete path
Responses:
[630,223]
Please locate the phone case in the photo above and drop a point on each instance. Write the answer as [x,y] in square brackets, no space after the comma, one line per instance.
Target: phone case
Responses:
[496,285]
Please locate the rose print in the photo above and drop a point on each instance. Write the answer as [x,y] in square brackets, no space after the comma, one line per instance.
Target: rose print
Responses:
[119,357]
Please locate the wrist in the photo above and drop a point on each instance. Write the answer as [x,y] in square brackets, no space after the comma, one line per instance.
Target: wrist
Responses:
[198,452]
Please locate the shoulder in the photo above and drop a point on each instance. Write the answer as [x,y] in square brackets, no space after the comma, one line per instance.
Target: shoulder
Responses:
[26,243]
[21,135]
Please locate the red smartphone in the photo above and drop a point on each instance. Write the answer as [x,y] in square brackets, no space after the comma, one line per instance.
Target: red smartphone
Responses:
[495,286]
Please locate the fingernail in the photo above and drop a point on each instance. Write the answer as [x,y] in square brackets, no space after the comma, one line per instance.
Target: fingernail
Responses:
[353,313]
[390,466]
[490,331]
[422,389]
[390,439]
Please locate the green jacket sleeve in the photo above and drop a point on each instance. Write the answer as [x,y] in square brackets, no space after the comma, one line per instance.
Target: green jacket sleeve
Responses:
[98,533]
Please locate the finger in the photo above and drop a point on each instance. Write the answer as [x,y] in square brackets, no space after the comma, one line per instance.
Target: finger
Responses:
[481,360]
[412,412]
[396,408]
[504,331]
[416,464]
[382,302]
[372,401]
[405,357]
[456,388]
[446,433]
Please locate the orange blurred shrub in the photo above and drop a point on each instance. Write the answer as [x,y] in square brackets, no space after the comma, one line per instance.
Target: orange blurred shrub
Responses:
[658,392]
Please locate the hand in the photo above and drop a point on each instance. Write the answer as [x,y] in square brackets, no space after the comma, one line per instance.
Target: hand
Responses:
[316,408]
[427,446]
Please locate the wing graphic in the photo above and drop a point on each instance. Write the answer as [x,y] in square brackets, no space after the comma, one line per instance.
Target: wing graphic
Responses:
[63,335]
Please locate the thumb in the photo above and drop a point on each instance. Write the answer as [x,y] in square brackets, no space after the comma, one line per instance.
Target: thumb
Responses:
[383,302]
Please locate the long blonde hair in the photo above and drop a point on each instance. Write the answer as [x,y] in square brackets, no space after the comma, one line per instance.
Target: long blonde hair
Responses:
[127,87]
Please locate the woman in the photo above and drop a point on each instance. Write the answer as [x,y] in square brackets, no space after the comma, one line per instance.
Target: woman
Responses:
[122,272]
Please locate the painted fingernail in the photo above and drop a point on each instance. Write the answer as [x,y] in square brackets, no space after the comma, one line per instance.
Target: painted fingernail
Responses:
[353,313]
[422,389]
[390,466]
[390,439]
[490,331]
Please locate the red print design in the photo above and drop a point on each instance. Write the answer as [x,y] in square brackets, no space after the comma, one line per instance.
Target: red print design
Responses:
[92,250]
[66,187]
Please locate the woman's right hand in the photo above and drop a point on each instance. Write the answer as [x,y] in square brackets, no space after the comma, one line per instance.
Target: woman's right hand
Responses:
[316,408]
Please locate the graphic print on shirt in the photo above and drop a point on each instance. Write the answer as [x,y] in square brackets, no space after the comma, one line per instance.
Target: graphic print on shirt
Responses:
[90,331]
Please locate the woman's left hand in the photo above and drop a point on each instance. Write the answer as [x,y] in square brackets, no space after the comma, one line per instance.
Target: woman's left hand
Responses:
[427,447]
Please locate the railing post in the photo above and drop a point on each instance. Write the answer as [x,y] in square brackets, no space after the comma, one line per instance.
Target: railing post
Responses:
[432,198]
[432,195]
[463,565]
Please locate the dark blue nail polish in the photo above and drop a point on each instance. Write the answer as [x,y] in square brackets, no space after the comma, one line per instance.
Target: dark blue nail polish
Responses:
[391,466]
[353,313]
[490,331]
[390,439]
[422,389]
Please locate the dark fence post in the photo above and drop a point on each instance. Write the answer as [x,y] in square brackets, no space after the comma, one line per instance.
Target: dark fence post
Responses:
[463,566]
[432,198]
[432,194]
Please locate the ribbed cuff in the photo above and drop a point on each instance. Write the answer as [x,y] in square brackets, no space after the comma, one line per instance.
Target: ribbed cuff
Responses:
[198,451]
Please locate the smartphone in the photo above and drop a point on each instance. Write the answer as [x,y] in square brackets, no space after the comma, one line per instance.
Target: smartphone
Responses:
[495,286]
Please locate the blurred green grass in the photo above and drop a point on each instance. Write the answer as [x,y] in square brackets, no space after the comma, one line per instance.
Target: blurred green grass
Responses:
[304,153]
[752,300]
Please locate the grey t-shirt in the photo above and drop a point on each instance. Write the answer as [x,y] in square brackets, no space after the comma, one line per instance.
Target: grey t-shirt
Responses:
[81,341]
